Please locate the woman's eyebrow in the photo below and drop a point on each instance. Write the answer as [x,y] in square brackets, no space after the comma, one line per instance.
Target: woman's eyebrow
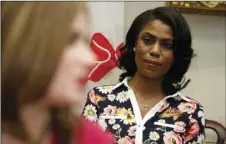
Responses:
[153,35]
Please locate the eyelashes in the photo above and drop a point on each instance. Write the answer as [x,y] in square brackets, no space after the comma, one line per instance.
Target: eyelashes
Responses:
[147,41]
[167,45]
[163,43]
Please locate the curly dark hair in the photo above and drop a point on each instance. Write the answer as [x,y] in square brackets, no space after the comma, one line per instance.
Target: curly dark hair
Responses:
[174,79]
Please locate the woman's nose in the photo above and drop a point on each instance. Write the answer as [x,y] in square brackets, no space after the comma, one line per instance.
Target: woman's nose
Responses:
[155,51]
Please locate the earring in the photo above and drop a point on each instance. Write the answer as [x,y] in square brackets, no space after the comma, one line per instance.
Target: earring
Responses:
[134,49]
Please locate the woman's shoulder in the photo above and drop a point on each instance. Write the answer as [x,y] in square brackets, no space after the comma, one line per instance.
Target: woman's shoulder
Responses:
[185,104]
[187,100]
[110,89]
[105,89]
[193,108]
[196,102]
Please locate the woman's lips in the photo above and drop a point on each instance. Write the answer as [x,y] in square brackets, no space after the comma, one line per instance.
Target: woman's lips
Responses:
[83,81]
[153,64]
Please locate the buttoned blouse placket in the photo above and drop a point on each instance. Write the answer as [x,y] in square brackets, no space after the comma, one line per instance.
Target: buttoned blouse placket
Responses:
[138,118]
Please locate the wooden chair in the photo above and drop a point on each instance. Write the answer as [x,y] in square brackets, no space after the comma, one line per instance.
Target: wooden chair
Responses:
[219,129]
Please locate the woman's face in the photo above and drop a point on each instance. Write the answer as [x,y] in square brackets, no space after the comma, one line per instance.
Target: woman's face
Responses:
[67,87]
[154,54]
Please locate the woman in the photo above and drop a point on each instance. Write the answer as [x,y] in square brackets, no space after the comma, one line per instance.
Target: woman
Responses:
[43,70]
[146,106]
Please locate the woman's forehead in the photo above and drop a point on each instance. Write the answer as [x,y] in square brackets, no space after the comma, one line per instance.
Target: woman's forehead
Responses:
[157,28]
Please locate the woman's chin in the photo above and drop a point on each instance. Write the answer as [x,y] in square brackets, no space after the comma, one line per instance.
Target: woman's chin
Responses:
[151,75]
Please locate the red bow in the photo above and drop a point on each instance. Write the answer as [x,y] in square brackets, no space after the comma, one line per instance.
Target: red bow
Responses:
[106,56]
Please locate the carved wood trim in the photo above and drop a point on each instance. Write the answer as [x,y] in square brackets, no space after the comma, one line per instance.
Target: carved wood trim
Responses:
[200,7]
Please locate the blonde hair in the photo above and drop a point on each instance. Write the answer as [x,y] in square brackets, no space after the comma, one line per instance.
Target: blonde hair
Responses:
[34,34]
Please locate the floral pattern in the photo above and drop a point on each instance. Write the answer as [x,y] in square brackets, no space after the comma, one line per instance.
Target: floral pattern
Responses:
[188,107]
[95,98]
[182,125]
[193,130]
[178,120]
[122,97]
[164,105]
[126,140]
[110,110]
[111,121]
[90,113]
[161,121]
[132,131]
[105,89]
[129,117]
[172,138]
[154,136]
[111,97]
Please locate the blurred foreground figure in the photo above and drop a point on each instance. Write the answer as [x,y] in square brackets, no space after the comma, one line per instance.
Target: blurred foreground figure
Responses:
[45,60]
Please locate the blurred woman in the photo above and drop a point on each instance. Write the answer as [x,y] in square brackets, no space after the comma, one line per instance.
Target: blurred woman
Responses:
[45,60]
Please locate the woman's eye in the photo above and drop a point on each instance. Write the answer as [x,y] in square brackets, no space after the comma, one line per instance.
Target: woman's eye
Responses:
[147,41]
[167,45]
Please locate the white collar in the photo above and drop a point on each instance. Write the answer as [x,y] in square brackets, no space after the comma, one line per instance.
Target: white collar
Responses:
[125,82]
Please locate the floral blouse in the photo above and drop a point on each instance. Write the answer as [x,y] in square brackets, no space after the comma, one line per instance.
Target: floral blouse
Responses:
[176,119]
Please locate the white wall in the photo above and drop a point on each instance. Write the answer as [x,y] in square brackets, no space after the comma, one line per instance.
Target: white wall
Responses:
[208,68]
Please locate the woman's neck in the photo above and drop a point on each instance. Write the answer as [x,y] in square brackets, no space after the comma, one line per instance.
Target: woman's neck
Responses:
[146,86]
[35,119]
